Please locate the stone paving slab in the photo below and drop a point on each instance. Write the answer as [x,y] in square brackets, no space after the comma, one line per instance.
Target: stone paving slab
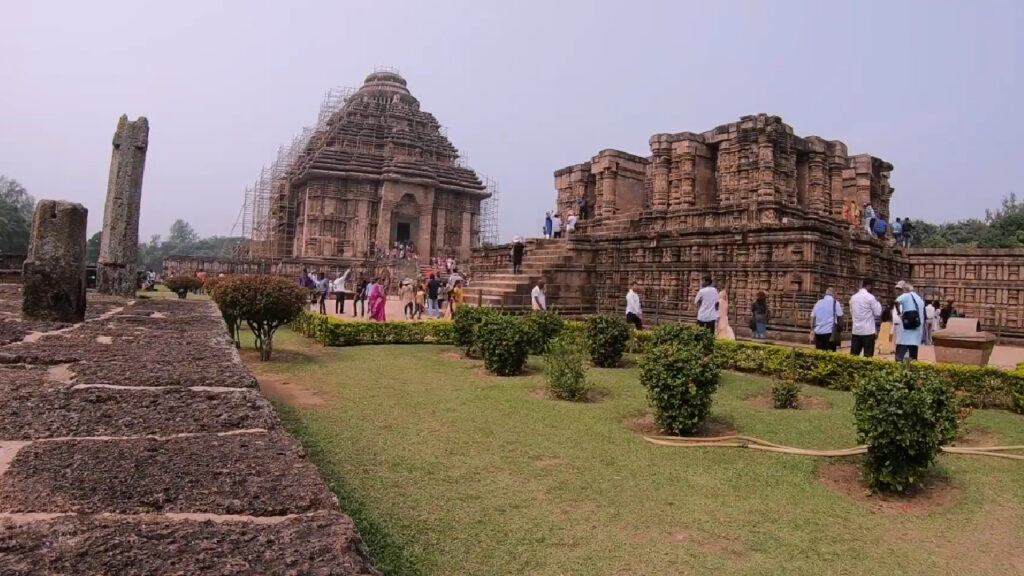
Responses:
[322,544]
[35,412]
[258,474]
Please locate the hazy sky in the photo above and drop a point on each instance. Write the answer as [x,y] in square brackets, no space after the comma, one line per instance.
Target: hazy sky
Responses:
[524,88]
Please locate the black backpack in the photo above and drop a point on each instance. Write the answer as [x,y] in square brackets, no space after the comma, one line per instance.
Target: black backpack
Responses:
[912,318]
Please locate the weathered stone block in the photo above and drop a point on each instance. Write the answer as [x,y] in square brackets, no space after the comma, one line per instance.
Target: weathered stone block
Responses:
[53,275]
[119,246]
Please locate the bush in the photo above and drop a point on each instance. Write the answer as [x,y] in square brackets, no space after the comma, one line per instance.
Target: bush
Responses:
[564,369]
[785,394]
[544,327]
[681,375]
[504,344]
[607,337]
[905,417]
[182,285]
[465,323]
[264,303]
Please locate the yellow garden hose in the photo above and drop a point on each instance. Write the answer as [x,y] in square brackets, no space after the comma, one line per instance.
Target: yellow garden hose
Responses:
[739,441]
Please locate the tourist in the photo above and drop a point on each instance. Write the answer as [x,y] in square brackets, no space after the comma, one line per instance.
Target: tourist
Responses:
[547,225]
[377,300]
[935,318]
[759,314]
[406,295]
[897,232]
[570,225]
[723,331]
[421,299]
[323,288]
[825,317]
[359,299]
[908,232]
[869,217]
[556,226]
[304,279]
[864,309]
[433,290]
[634,315]
[707,305]
[897,323]
[339,291]
[911,309]
[581,207]
[885,344]
[455,277]
[538,301]
[518,249]
[458,297]
[931,314]
[948,311]
[880,227]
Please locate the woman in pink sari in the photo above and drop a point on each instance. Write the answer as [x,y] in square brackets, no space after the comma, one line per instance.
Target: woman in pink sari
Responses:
[377,300]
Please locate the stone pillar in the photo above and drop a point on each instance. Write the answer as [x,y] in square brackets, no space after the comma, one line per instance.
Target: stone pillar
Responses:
[53,275]
[609,182]
[466,241]
[819,195]
[659,195]
[119,245]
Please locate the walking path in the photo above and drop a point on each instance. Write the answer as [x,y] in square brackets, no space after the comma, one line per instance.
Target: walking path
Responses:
[137,443]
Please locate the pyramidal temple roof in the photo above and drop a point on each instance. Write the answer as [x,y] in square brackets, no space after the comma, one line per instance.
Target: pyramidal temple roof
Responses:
[381,133]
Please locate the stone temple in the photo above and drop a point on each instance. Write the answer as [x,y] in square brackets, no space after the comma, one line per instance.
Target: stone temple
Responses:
[379,171]
[749,203]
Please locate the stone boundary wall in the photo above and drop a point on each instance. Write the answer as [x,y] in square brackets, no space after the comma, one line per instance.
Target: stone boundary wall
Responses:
[10,268]
[985,283]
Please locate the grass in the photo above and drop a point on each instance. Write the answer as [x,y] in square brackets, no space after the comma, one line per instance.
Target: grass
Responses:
[449,471]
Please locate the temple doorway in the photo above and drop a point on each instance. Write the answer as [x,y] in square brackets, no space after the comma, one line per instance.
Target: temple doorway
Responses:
[403,231]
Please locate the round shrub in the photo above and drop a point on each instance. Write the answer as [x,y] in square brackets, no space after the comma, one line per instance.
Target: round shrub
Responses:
[465,323]
[544,327]
[904,416]
[680,374]
[504,342]
[264,303]
[182,285]
[607,337]
[785,394]
[565,369]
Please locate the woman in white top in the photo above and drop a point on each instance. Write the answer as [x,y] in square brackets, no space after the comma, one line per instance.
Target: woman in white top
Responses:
[723,331]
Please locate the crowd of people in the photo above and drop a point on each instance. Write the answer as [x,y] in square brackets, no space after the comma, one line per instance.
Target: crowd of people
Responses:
[430,295]
[875,224]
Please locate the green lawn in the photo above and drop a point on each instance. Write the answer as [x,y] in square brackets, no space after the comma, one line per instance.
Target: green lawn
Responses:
[450,471]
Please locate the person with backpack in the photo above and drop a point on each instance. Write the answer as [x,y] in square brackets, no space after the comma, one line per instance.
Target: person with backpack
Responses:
[911,310]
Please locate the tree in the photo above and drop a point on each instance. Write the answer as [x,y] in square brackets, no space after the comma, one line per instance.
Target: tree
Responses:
[92,248]
[182,234]
[1002,228]
[264,303]
[16,206]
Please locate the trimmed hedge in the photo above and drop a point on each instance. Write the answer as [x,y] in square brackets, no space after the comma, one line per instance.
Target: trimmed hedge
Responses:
[464,326]
[905,417]
[607,337]
[331,332]
[544,327]
[504,344]
[982,386]
[680,374]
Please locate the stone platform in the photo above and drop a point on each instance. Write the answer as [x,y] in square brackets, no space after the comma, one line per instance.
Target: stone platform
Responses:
[137,443]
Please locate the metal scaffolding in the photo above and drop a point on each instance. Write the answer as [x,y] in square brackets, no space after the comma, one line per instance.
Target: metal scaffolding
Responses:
[489,214]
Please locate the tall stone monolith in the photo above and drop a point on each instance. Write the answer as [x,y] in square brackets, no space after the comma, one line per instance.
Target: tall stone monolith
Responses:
[116,271]
[53,276]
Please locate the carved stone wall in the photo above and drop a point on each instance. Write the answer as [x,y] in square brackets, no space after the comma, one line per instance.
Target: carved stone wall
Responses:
[984,283]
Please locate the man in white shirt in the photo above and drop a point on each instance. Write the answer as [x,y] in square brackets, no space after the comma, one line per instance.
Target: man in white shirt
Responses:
[633,313]
[570,224]
[864,309]
[537,298]
[825,317]
[556,226]
[707,305]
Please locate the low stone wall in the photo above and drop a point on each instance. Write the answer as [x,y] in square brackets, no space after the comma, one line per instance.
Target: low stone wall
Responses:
[10,268]
[984,283]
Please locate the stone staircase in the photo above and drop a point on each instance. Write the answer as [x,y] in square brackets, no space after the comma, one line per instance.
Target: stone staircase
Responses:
[552,260]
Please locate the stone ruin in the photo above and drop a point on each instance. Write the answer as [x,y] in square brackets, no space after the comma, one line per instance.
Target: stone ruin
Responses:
[749,203]
[379,171]
[119,246]
[53,275]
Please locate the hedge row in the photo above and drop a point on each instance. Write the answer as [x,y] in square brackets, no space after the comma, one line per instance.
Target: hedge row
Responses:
[330,332]
[982,387]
